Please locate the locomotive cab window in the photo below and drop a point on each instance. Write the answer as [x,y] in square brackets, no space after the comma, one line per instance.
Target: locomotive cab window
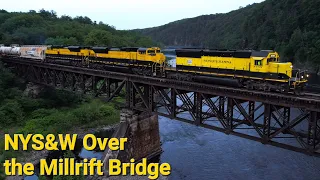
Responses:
[271,60]
[158,51]
[258,62]
[151,52]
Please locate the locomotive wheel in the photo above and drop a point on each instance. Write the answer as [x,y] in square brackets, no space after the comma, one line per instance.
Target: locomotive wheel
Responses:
[249,85]
[285,89]
[298,91]
[147,72]
[266,88]
[241,82]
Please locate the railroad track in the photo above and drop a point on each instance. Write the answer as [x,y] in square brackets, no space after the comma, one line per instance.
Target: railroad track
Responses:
[312,95]
[309,96]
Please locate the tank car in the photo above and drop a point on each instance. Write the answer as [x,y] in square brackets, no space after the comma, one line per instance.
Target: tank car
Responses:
[10,51]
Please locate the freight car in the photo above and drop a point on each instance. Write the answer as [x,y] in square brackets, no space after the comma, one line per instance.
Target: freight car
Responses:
[10,51]
[259,70]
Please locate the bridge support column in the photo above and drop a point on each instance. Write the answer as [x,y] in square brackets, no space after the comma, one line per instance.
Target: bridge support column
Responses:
[142,131]
[116,85]
[221,104]
[63,80]
[313,131]
[149,96]
[54,78]
[73,82]
[251,110]
[108,88]
[173,104]
[198,107]
[103,86]
[83,83]
[286,118]
[128,94]
[229,117]
[266,122]
[94,82]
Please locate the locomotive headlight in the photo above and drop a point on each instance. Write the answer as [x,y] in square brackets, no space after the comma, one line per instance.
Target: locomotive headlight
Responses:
[301,77]
[291,66]
[307,75]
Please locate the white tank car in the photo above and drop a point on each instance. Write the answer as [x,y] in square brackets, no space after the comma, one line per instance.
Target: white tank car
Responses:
[10,50]
[5,50]
[15,51]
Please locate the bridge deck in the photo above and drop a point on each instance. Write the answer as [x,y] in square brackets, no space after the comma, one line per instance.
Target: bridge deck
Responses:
[309,101]
[268,117]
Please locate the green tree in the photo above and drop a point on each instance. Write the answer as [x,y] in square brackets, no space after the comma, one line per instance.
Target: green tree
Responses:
[44,27]
[99,37]
[10,113]
[290,27]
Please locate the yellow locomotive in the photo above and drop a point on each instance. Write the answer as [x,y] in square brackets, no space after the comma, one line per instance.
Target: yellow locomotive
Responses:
[259,70]
[253,69]
[145,61]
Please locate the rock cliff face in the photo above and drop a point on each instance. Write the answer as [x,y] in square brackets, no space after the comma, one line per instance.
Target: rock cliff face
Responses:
[33,90]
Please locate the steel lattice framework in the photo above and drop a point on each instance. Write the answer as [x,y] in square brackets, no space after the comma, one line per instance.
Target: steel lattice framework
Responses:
[286,121]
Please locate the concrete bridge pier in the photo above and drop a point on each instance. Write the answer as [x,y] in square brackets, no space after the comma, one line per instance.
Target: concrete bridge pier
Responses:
[142,131]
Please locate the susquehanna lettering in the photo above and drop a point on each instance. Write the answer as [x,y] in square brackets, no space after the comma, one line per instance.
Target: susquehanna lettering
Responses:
[218,61]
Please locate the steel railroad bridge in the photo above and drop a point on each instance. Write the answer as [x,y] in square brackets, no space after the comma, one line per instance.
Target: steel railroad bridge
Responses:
[286,121]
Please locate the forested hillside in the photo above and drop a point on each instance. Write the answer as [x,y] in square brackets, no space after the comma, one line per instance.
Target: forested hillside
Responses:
[44,27]
[51,112]
[292,27]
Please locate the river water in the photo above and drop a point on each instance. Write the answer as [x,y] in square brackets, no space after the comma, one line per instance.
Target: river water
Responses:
[198,153]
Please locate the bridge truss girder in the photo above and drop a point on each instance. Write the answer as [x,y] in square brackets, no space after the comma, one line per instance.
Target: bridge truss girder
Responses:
[264,122]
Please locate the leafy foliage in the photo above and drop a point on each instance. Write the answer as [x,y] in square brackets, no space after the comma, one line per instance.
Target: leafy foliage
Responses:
[291,27]
[69,154]
[45,121]
[44,27]
[53,112]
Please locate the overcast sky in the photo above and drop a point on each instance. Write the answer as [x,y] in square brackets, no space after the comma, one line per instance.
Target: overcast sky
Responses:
[130,14]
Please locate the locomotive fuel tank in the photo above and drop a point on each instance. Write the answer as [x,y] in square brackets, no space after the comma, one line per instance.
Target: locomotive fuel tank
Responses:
[217,81]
